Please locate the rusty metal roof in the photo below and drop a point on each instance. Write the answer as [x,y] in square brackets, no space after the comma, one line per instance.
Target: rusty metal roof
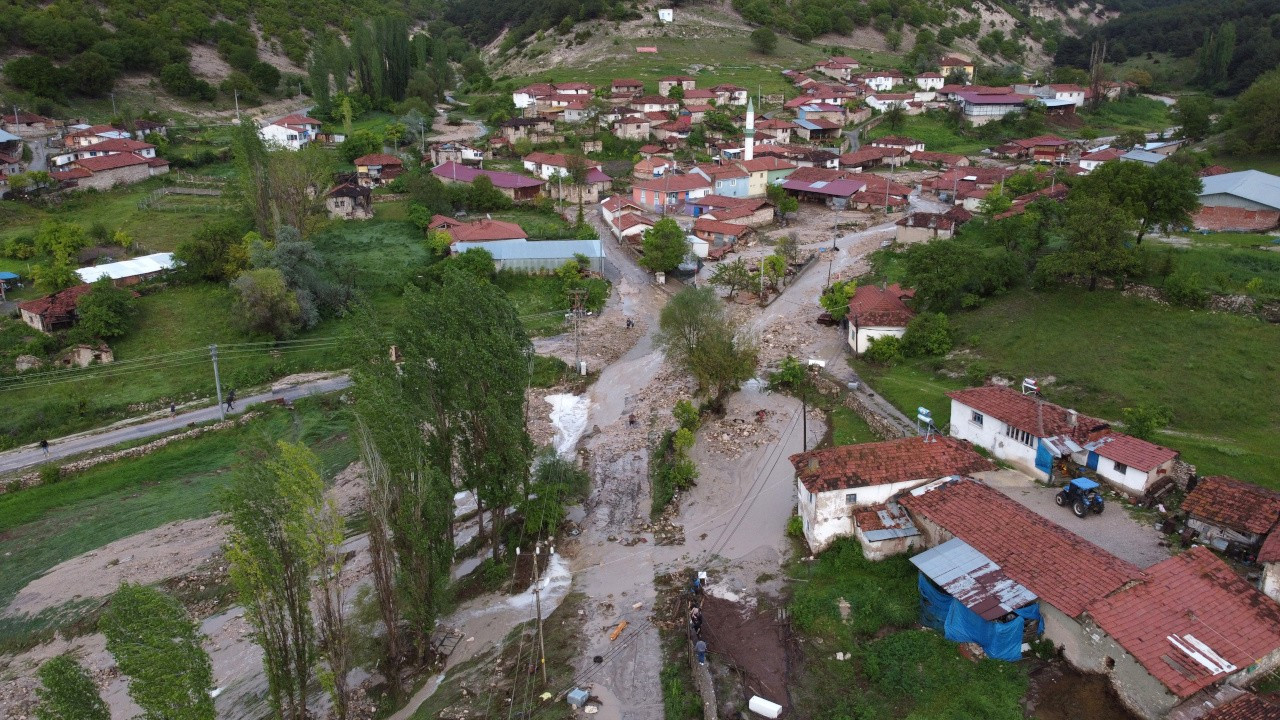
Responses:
[974,579]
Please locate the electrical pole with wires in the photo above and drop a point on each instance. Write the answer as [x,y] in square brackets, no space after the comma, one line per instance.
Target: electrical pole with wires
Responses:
[217,382]
[537,601]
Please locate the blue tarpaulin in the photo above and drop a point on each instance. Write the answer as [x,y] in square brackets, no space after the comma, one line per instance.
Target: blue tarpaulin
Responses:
[1000,640]
[1044,457]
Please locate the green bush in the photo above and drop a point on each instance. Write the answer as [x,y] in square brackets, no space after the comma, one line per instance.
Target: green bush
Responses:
[884,350]
[1186,289]
[795,526]
[50,474]
[687,415]
[928,334]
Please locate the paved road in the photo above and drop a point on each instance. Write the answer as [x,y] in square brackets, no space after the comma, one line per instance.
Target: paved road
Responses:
[95,440]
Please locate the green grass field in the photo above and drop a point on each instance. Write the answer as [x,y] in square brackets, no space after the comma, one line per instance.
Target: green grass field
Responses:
[1129,113]
[935,133]
[1107,352]
[46,525]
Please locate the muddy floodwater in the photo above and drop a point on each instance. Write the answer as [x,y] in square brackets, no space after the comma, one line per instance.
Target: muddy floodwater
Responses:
[1059,692]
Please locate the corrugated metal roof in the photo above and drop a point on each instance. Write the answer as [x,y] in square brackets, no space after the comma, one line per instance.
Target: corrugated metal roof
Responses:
[974,579]
[1260,187]
[128,268]
[1143,156]
[536,249]
[8,137]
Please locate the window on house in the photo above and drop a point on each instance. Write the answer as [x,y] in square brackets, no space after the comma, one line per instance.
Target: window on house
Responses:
[975,417]
[1122,468]
[851,498]
[1020,435]
[812,497]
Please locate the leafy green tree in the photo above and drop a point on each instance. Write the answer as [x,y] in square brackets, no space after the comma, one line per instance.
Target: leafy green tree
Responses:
[304,271]
[731,276]
[1164,195]
[951,274]
[240,88]
[215,252]
[57,274]
[54,237]
[482,196]
[67,692]
[36,75]
[1144,422]
[1214,58]
[764,41]
[92,74]
[1185,288]
[265,303]
[1130,139]
[774,269]
[697,334]
[269,507]
[664,246]
[895,116]
[293,176]
[1193,115]
[788,247]
[883,350]
[1097,235]
[994,203]
[252,184]
[835,299]
[358,143]
[790,374]
[106,311]
[158,648]
[265,76]
[1254,118]
[927,334]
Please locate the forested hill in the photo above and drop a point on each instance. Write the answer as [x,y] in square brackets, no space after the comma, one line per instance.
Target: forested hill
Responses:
[1233,41]
[72,47]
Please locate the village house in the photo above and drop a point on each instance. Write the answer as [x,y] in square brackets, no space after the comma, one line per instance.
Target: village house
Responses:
[728,94]
[930,81]
[129,272]
[27,125]
[671,192]
[719,234]
[518,188]
[54,311]
[673,130]
[1042,148]
[1165,637]
[765,171]
[683,81]
[654,103]
[290,132]
[533,129]
[541,256]
[1092,160]
[1145,157]
[882,80]
[835,485]
[951,64]
[923,226]
[1244,201]
[869,157]
[476,231]
[632,127]
[1068,92]
[377,169]
[939,159]
[822,111]
[833,188]
[882,101]
[1225,511]
[626,86]
[11,146]
[985,105]
[802,155]
[652,167]
[555,169]
[878,191]
[1245,706]
[840,67]
[909,144]
[630,227]
[1269,559]
[458,152]
[616,205]
[877,311]
[108,171]
[728,180]
[1131,465]
[752,212]
[84,135]
[104,148]
[780,129]
[1023,430]
[819,130]
[349,201]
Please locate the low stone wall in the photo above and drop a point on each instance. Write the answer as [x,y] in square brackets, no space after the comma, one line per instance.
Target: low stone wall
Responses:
[1233,304]
[880,425]
[33,478]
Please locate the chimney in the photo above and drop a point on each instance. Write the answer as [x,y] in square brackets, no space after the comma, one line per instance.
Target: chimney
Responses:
[1072,417]
[813,463]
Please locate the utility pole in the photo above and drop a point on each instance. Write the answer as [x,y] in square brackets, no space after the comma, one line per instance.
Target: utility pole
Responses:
[217,383]
[577,297]
[537,601]
[113,104]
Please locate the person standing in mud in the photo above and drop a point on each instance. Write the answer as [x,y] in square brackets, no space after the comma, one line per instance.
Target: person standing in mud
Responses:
[695,620]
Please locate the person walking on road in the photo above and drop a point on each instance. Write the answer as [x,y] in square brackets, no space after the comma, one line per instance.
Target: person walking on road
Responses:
[173,410]
[701,649]
[231,400]
[44,445]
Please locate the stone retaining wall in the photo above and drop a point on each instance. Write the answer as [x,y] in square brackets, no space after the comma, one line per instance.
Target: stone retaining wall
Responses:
[880,425]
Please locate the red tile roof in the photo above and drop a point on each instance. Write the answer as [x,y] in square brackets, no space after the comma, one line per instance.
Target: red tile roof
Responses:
[1064,569]
[673,183]
[1027,413]
[1227,501]
[116,145]
[715,172]
[1105,155]
[377,159]
[628,220]
[1134,452]
[74,173]
[1212,170]
[297,119]
[1270,550]
[1246,707]
[485,231]
[882,463]
[761,164]
[1193,594]
[56,307]
[463,173]
[715,226]
[872,305]
[111,162]
[937,157]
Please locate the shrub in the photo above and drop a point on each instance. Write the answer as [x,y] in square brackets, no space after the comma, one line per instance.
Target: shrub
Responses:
[928,334]
[795,526]
[687,415]
[50,474]
[884,350]
[1186,289]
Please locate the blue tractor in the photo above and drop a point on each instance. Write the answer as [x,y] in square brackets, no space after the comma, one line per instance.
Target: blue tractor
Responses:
[1082,496]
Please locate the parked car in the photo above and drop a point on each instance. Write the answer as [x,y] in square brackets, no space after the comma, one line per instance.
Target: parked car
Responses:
[826,319]
[1082,496]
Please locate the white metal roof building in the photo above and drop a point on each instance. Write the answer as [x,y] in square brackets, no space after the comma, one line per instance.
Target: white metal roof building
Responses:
[139,267]
[1248,189]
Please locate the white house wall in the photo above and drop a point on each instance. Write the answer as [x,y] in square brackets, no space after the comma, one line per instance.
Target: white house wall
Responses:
[990,435]
[1271,580]
[865,334]
[828,515]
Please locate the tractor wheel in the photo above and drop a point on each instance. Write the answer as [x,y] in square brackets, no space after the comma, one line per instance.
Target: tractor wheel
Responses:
[1079,509]
[1098,508]
[1061,498]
